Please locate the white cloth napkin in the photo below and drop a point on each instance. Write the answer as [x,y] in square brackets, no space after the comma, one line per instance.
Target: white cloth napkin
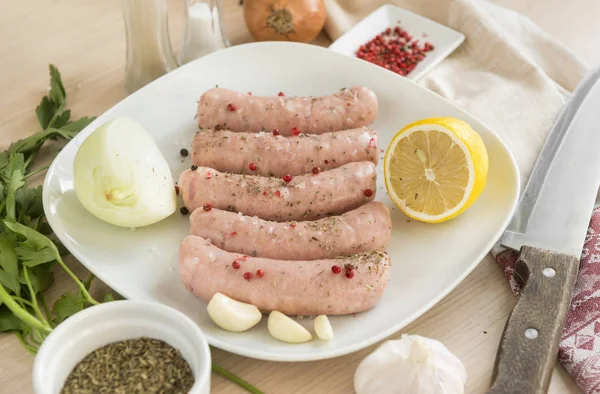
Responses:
[515,78]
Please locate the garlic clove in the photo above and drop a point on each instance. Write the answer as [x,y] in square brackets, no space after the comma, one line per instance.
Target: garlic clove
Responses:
[121,177]
[287,330]
[232,315]
[323,328]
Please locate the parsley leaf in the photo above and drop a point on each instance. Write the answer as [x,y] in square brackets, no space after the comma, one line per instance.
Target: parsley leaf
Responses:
[36,249]
[32,257]
[62,119]
[77,125]
[8,321]
[67,305]
[40,278]
[9,268]
[16,163]
[29,201]
[108,297]
[63,132]
[31,144]
[50,109]
[4,158]
[57,90]
[14,178]
[45,111]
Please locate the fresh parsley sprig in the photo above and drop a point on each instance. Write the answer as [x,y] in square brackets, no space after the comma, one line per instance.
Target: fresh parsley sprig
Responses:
[28,249]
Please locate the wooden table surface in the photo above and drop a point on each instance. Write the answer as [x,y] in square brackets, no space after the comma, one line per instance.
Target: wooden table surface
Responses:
[86,40]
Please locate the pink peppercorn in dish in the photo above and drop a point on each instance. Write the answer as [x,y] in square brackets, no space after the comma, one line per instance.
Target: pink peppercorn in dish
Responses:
[396,50]
[403,42]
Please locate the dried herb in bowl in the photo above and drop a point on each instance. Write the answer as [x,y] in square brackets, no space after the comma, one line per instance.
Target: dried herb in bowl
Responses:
[142,365]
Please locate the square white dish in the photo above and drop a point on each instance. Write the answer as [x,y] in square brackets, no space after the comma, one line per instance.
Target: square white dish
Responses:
[427,260]
[444,39]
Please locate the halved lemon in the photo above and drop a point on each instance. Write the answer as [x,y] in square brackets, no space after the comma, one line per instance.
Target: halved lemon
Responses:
[435,169]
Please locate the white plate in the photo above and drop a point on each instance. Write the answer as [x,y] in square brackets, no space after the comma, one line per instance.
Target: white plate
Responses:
[444,39]
[428,260]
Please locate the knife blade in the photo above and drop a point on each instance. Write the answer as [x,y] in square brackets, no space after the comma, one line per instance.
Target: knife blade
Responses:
[549,229]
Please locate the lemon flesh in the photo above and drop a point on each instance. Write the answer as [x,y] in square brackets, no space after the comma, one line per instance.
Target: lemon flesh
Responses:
[435,169]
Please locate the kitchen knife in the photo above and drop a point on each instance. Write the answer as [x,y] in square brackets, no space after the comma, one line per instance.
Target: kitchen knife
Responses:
[549,228]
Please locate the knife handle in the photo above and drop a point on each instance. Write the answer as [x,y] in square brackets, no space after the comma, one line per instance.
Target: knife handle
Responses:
[529,344]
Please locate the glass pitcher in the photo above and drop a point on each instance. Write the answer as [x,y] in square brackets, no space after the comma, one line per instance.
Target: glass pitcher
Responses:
[149,53]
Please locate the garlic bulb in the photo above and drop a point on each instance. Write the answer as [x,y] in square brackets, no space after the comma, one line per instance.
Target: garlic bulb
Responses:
[410,365]
[121,177]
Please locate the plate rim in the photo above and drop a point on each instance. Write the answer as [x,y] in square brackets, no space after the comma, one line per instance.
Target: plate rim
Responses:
[288,356]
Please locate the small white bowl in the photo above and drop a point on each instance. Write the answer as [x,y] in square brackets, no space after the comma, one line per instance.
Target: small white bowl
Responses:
[444,39]
[115,321]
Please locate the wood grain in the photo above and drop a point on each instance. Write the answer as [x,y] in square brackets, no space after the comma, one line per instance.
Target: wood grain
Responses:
[86,40]
[524,363]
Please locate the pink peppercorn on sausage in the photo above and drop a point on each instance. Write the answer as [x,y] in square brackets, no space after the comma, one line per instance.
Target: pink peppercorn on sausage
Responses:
[347,109]
[274,155]
[291,287]
[362,229]
[304,197]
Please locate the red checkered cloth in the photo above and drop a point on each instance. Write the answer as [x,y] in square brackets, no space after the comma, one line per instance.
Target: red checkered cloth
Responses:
[579,349]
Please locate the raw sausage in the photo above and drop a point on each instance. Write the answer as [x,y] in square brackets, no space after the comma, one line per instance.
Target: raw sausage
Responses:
[362,229]
[291,287]
[305,197]
[347,109]
[268,155]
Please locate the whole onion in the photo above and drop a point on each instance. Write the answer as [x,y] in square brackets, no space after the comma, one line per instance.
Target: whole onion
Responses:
[284,20]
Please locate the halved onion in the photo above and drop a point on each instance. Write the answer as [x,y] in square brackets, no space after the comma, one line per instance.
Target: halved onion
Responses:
[121,177]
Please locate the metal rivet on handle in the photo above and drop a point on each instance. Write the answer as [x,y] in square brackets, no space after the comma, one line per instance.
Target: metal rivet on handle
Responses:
[531,333]
[548,272]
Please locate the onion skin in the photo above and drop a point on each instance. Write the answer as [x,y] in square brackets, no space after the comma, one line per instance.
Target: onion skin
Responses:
[285,20]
